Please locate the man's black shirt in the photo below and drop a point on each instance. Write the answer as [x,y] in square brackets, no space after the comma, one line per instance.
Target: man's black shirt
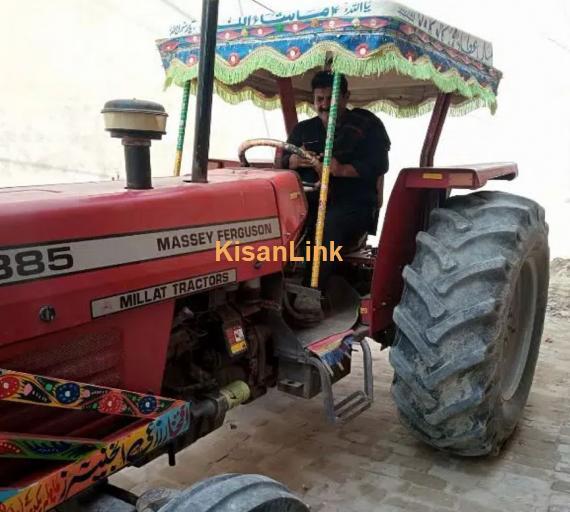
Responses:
[360,140]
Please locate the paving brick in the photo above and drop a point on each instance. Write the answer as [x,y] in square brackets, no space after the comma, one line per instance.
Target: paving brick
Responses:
[563,467]
[400,448]
[424,479]
[385,469]
[387,483]
[561,475]
[365,489]
[358,437]
[409,462]
[521,469]
[375,453]
[533,462]
[330,471]
[372,492]
[465,505]
[388,508]
[493,500]
[558,499]
[348,459]
[560,486]
[432,497]
[453,477]
[406,504]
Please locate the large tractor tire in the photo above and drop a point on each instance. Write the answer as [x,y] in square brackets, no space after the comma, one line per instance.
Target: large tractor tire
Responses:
[236,493]
[470,321]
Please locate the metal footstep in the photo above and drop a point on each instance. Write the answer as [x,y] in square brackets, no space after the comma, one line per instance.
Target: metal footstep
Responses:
[356,403]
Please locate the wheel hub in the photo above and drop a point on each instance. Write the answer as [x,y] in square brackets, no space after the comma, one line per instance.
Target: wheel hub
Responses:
[520,324]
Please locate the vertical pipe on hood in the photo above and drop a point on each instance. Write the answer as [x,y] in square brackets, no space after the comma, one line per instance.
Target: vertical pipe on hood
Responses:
[205,90]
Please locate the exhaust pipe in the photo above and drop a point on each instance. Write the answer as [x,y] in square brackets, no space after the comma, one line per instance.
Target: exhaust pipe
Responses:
[205,90]
[136,122]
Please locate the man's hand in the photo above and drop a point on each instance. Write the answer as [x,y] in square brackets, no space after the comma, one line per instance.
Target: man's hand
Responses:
[295,161]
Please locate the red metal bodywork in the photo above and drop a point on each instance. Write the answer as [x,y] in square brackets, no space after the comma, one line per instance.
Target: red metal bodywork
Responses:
[404,218]
[287,98]
[38,215]
[434,129]
[127,350]
[460,176]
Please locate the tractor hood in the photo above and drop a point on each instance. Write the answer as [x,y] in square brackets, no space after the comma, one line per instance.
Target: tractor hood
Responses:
[70,246]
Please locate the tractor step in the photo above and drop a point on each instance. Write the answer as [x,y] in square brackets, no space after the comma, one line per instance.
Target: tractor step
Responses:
[357,402]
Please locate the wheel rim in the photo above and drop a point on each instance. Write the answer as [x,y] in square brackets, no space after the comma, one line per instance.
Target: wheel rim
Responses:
[519,330]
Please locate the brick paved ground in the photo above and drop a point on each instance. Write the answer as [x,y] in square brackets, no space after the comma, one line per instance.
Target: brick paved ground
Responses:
[374,464]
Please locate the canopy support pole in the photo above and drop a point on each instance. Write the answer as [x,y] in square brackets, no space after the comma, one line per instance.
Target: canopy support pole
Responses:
[325,181]
[182,129]
[434,129]
[287,98]
[434,197]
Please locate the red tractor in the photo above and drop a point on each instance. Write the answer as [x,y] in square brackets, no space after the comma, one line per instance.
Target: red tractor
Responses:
[123,338]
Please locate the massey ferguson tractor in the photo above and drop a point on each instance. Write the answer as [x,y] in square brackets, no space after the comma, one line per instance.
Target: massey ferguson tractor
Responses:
[123,337]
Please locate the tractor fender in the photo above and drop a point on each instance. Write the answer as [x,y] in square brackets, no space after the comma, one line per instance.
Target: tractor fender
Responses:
[416,192]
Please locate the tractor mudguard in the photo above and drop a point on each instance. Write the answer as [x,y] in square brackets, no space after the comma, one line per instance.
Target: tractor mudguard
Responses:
[416,191]
[459,176]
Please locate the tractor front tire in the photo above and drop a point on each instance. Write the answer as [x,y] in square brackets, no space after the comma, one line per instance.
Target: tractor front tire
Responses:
[470,322]
[236,493]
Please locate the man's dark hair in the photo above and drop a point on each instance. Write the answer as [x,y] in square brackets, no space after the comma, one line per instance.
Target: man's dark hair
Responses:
[324,79]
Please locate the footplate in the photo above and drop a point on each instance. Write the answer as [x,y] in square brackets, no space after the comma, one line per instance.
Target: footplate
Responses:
[357,402]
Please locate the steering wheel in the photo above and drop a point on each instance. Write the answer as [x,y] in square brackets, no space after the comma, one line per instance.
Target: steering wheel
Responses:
[278,144]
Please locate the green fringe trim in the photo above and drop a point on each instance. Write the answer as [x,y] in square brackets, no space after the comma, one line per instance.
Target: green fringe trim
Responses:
[387,107]
[385,59]
[261,58]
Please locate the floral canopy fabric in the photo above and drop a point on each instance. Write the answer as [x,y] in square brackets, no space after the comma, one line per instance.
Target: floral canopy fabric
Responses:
[396,59]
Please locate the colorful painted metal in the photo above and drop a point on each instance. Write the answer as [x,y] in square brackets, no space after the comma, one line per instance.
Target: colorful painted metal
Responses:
[160,421]
[35,389]
[18,446]
[368,38]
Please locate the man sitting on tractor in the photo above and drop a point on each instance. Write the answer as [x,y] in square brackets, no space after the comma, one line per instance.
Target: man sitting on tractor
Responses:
[360,160]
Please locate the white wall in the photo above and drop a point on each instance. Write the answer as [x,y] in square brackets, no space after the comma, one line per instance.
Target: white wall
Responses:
[62,59]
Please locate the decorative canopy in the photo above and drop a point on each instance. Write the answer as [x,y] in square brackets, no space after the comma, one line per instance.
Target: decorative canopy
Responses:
[396,59]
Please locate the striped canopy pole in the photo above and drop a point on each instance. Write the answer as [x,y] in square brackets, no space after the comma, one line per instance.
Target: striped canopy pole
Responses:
[325,181]
[182,129]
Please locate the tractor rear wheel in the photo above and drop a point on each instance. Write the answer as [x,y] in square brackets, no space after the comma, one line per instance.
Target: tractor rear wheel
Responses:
[236,493]
[470,322]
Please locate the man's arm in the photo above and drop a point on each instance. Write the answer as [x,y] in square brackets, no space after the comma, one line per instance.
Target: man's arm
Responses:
[295,138]
[371,159]
[343,170]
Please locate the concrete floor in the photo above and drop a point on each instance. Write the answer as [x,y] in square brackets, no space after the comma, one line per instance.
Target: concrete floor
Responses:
[373,463]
